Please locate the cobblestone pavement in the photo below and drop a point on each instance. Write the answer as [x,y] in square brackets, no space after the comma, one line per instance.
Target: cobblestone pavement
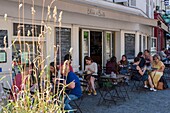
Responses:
[143,102]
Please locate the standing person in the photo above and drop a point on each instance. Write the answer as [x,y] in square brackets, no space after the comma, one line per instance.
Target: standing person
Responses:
[163,56]
[123,65]
[148,58]
[91,70]
[112,66]
[74,86]
[142,75]
[158,73]
[142,60]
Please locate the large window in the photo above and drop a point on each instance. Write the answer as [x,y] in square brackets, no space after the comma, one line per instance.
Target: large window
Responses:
[130,45]
[3,56]
[153,45]
[3,38]
[24,54]
[65,35]
[27,27]
[144,43]
[140,43]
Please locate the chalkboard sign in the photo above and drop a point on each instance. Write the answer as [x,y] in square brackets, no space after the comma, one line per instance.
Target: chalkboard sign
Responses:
[3,33]
[65,34]
[130,45]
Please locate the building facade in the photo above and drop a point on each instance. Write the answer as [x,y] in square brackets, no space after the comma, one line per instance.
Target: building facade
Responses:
[98,28]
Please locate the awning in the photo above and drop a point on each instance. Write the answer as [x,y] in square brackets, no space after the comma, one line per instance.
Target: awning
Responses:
[164,27]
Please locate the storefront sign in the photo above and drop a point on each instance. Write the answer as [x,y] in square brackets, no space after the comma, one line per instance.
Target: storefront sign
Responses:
[95,12]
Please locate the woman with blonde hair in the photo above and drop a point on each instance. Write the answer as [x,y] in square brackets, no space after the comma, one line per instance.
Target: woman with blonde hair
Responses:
[159,68]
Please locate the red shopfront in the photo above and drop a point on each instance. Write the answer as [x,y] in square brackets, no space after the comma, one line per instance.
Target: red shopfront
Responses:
[159,33]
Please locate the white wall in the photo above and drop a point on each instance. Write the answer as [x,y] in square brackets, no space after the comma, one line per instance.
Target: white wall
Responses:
[6,25]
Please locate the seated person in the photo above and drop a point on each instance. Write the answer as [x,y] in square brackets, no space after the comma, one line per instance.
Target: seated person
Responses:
[148,58]
[142,75]
[158,73]
[163,56]
[123,65]
[21,81]
[74,86]
[112,66]
[142,60]
[68,57]
[91,70]
[53,73]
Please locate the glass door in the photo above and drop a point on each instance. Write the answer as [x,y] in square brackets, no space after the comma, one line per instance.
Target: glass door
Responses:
[85,45]
[107,53]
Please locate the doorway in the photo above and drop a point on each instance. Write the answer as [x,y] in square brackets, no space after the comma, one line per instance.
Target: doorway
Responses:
[96,46]
[99,45]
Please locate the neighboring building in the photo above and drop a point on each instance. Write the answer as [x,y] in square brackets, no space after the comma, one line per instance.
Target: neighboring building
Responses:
[96,28]
[159,31]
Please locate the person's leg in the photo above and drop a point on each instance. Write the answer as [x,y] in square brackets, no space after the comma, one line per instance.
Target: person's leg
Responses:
[68,100]
[92,79]
[151,84]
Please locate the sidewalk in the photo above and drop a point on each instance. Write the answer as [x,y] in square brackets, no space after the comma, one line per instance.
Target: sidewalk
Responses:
[144,102]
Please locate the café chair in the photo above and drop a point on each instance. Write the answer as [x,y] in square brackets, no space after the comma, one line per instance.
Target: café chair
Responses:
[136,80]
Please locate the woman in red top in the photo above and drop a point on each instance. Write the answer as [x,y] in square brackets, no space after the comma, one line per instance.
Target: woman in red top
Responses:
[21,81]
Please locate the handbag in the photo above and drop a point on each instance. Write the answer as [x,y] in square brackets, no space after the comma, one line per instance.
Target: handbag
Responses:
[160,86]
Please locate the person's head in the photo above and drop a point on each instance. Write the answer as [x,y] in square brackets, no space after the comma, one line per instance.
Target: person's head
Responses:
[156,58]
[146,52]
[140,54]
[113,59]
[88,60]
[124,58]
[26,69]
[137,60]
[53,67]
[65,69]
[67,57]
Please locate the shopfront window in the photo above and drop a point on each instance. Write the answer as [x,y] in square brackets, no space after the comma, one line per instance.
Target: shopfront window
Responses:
[153,45]
[26,54]
[27,27]
[130,45]
[144,43]
[140,43]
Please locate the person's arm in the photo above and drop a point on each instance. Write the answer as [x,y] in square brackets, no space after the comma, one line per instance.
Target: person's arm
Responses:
[119,63]
[140,70]
[95,69]
[71,85]
[151,59]
[161,68]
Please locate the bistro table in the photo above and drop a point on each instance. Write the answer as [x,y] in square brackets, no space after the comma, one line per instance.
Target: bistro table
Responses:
[112,88]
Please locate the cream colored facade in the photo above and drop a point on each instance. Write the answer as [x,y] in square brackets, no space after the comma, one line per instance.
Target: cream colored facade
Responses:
[81,16]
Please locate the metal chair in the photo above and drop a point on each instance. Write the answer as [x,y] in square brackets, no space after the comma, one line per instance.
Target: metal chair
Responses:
[136,79]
